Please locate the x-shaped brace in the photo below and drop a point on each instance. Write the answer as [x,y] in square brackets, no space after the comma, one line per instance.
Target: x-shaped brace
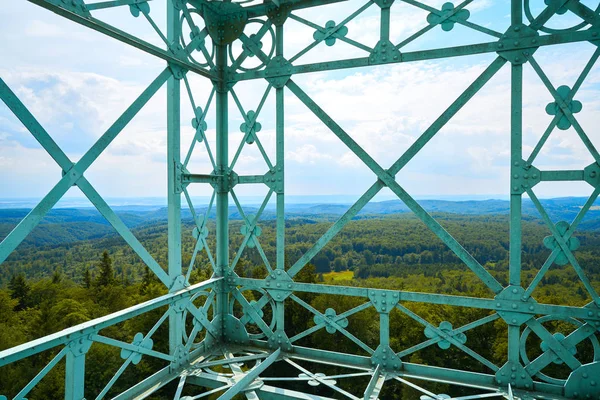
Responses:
[73,174]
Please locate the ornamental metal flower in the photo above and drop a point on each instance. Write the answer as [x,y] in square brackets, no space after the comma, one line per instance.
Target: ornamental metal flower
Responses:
[328,318]
[551,243]
[445,327]
[330,33]
[199,124]
[554,108]
[443,18]
[562,9]
[248,49]
[251,127]
[136,9]
[560,337]
[254,234]
[314,382]
[141,342]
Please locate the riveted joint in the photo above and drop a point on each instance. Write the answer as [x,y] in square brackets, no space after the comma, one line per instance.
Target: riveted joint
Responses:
[180,172]
[274,179]
[387,358]
[384,300]
[514,307]
[74,6]
[518,43]
[80,346]
[514,374]
[384,3]
[279,339]
[523,177]
[72,174]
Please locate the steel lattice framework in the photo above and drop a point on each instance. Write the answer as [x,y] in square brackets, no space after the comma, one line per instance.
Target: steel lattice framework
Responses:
[217,336]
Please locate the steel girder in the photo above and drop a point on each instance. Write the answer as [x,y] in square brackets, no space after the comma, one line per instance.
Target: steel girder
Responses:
[225,339]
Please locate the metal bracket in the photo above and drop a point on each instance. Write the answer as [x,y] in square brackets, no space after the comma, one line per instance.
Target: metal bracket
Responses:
[225,21]
[274,179]
[514,374]
[180,172]
[278,72]
[385,52]
[75,6]
[524,177]
[591,174]
[279,285]
[80,346]
[280,340]
[584,382]
[383,301]
[387,358]
[384,3]
[279,14]
[518,43]
[234,331]
[513,307]
[181,358]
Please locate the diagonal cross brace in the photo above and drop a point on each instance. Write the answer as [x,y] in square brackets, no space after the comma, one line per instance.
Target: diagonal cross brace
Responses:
[250,376]
[427,135]
[35,216]
[387,177]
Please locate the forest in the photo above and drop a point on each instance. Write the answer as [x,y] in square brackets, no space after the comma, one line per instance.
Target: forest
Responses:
[46,288]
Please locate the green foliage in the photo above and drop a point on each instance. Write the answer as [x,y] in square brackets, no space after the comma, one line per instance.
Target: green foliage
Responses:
[72,283]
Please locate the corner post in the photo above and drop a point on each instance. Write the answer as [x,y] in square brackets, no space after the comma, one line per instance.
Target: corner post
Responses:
[222,161]
[279,146]
[173,189]
[516,158]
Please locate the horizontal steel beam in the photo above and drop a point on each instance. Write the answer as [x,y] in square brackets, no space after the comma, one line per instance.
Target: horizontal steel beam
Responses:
[95,325]
[124,37]
[430,298]
[424,55]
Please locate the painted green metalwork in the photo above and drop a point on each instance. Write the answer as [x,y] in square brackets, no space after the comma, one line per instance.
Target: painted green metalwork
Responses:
[225,340]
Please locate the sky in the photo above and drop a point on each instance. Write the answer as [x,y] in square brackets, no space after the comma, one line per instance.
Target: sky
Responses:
[77,82]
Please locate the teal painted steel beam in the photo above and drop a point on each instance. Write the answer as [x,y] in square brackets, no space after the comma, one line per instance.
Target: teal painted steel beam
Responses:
[16,236]
[249,376]
[425,55]
[124,37]
[44,139]
[113,3]
[174,170]
[408,155]
[391,183]
[77,332]
[222,189]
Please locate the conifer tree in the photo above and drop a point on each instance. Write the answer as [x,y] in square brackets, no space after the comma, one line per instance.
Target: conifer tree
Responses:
[106,276]
[87,278]
[19,290]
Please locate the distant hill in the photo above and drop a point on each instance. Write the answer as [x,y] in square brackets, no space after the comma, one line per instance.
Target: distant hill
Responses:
[65,225]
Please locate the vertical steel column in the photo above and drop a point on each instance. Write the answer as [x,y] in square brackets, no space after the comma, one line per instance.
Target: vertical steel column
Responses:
[279,117]
[222,161]
[384,29]
[174,162]
[75,375]
[516,158]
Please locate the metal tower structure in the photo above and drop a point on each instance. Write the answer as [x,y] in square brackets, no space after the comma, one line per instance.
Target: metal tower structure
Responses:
[212,324]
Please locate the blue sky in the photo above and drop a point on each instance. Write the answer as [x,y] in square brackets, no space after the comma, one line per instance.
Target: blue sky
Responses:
[77,82]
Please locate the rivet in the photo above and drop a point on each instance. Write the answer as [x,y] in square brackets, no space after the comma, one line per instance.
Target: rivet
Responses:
[515,291]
